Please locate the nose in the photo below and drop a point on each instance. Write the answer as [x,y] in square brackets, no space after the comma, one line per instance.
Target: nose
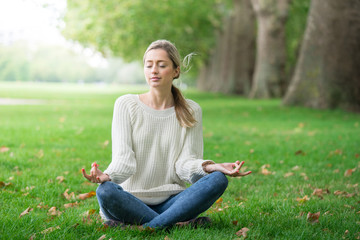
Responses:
[154,69]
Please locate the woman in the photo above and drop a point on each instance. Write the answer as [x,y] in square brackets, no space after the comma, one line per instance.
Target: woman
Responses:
[157,146]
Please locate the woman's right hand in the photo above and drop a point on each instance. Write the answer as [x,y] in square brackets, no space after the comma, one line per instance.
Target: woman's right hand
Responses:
[96,176]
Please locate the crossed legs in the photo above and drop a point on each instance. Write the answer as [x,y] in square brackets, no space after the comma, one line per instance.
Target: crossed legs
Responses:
[119,205]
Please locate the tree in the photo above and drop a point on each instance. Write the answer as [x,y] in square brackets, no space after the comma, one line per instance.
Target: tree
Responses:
[125,28]
[230,68]
[327,74]
[269,77]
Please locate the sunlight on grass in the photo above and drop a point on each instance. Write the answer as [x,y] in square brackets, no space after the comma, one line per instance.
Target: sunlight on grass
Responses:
[311,159]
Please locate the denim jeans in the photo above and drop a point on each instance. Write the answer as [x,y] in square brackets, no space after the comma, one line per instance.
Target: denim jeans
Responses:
[119,205]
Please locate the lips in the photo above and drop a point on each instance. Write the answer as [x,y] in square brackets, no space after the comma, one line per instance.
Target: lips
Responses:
[154,78]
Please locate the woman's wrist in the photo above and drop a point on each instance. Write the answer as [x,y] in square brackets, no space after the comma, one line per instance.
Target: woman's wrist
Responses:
[208,167]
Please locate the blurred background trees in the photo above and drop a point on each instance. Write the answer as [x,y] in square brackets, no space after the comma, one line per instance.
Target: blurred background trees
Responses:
[253,48]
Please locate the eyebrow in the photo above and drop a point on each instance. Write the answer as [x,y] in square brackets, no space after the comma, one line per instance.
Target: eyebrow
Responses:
[156,61]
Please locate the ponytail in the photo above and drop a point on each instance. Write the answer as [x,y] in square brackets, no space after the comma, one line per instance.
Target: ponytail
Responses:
[183,111]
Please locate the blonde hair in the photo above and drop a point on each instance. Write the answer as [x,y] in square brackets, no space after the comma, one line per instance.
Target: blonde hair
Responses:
[184,113]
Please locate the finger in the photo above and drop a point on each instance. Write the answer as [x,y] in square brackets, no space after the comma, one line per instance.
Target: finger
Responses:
[88,177]
[238,166]
[244,173]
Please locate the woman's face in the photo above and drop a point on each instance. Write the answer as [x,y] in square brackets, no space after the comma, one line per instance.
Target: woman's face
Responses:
[158,69]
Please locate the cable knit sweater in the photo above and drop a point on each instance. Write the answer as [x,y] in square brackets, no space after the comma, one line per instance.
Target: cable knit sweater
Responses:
[152,155]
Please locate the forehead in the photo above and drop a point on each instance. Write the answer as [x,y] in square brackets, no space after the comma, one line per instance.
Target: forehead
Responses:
[157,55]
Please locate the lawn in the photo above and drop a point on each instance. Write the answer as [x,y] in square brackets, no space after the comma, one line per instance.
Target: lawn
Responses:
[305,164]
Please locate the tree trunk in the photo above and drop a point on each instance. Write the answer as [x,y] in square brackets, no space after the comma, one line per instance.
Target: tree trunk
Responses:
[231,65]
[270,74]
[327,74]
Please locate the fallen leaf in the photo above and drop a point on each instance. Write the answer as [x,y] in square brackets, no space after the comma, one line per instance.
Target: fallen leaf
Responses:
[336,171]
[4,184]
[313,217]
[349,172]
[319,192]
[60,178]
[235,223]
[68,205]
[220,200]
[84,196]
[303,200]
[53,212]
[296,168]
[357,155]
[300,152]
[40,154]
[69,196]
[4,149]
[41,206]
[286,175]
[264,171]
[29,209]
[338,152]
[50,229]
[105,144]
[304,176]
[338,192]
[102,237]
[242,232]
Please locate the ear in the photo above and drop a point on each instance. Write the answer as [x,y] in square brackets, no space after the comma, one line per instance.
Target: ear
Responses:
[177,72]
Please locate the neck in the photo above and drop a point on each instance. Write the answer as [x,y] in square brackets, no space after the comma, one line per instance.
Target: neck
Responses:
[158,100]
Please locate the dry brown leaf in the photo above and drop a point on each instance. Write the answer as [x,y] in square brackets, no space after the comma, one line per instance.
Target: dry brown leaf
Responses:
[296,168]
[319,192]
[349,172]
[235,223]
[105,144]
[60,178]
[304,176]
[50,229]
[69,196]
[41,205]
[220,200]
[29,209]
[286,175]
[4,184]
[4,149]
[40,154]
[338,192]
[84,196]
[102,237]
[68,205]
[53,212]
[300,152]
[264,171]
[242,232]
[303,200]
[313,217]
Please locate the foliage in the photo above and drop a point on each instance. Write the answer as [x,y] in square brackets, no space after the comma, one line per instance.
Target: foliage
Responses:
[301,149]
[43,63]
[125,28]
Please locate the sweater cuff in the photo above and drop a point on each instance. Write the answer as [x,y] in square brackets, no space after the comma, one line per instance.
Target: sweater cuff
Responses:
[205,163]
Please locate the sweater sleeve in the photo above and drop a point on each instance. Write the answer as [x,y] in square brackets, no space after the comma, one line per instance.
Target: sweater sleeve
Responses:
[189,164]
[123,163]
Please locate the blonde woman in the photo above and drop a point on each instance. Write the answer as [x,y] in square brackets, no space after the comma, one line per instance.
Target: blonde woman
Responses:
[157,146]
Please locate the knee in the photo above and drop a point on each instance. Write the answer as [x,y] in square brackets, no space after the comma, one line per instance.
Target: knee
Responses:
[220,181]
[106,190]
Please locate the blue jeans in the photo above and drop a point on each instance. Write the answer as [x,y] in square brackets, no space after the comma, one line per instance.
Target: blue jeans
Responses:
[119,205]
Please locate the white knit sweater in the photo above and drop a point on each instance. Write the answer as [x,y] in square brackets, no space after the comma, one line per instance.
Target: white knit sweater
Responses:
[152,155]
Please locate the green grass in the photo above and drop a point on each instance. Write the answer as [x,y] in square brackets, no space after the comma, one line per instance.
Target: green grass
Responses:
[68,132]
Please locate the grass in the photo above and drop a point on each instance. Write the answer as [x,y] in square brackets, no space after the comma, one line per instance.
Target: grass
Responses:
[299,149]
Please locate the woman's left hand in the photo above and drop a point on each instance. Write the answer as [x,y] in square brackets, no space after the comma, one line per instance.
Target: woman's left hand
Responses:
[230,169]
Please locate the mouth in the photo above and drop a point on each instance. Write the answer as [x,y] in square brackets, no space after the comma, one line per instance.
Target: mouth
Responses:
[154,78]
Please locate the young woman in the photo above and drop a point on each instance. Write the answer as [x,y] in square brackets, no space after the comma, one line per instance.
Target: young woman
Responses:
[157,146]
